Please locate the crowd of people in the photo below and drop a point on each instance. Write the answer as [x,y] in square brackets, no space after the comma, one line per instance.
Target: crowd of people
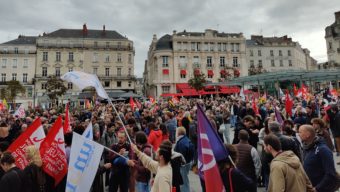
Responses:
[269,148]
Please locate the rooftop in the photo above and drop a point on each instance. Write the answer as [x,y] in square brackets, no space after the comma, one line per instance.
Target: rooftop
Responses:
[22,40]
[164,43]
[264,40]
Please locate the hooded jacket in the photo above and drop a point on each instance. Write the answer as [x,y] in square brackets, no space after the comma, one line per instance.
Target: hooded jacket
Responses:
[287,174]
[155,138]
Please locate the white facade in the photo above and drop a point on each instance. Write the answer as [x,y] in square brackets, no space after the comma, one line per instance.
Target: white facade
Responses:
[333,43]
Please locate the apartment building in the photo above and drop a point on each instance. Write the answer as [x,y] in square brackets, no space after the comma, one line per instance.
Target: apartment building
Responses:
[332,37]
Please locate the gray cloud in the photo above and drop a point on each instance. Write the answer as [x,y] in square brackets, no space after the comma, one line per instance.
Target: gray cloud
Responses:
[303,20]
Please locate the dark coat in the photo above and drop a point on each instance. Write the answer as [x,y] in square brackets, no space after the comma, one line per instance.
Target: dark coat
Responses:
[240,182]
[13,181]
[334,122]
[186,148]
[37,179]
[253,138]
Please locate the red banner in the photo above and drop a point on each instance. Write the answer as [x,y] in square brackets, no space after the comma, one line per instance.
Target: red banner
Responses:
[67,126]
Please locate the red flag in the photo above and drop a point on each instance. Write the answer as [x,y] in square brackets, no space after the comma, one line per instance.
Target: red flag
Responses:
[139,105]
[254,105]
[33,135]
[52,151]
[175,100]
[67,125]
[132,104]
[295,90]
[152,100]
[289,105]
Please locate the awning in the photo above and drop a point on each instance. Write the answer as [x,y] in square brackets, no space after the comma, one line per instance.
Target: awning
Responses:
[183,72]
[165,71]
[189,92]
[180,86]
[197,72]
[223,72]
[210,72]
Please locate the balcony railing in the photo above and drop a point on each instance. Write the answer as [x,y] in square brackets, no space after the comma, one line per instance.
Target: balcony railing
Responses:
[117,77]
[18,52]
[86,46]
[196,65]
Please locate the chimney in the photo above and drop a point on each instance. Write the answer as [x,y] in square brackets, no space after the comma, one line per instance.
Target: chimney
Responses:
[103,28]
[174,32]
[103,32]
[337,17]
[84,30]
[154,38]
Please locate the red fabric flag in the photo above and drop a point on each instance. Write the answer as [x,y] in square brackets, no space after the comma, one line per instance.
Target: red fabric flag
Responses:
[289,105]
[132,104]
[175,100]
[139,105]
[295,90]
[254,105]
[67,125]
[152,100]
[33,135]
[52,151]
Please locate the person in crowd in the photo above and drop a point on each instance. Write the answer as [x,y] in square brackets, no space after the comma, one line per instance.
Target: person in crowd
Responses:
[14,179]
[310,114]
[120,172]
[165,134]
[171,124]
[318,160]
[162,167]
[155,137]
[321,131]
[334,124]
[286,172]
[234,110]
[248,158]
[185,147]
[5,133]
[186,121]
[247,124]
[3,147]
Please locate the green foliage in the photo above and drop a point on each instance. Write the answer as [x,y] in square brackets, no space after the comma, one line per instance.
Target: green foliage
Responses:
[55,88]
[3,93]
[197,82]
[13,89]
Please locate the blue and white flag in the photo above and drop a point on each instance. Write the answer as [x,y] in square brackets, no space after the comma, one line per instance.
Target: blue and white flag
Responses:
[83,80]
[84,160]
[88,133]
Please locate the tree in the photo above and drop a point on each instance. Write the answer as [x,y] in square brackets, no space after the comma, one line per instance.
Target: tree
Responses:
[13,89]
[197,82]
[55,88]
[3,93]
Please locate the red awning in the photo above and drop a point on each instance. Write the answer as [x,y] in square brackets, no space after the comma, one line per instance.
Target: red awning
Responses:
[210,72]
[223,72]
[181,86]
[197,72]
[189,92]
[183,72]
[165,71]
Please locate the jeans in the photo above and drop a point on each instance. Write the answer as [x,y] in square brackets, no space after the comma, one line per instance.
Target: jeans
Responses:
[226,133]
[233,120]
[142,187]
[185,176]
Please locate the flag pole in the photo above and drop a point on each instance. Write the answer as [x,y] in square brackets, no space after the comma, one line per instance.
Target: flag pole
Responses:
[114,108]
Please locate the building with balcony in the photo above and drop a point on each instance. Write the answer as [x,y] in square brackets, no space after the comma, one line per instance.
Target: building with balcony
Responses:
[17,59]
[332,37]
[174,59]
[103,52]
[271,54]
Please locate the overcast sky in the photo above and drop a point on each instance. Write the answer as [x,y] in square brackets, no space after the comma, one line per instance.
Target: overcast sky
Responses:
[303,20]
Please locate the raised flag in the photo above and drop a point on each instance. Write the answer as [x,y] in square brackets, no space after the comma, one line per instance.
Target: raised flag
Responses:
[289,104]
[88,133]
[254,105]
[84,160]
[175,100]
[210,150]
[83,80]
[281,93]
[33,135]
[243,97]
[138,104]
[295,90]
[278,115]
[4,102]
[152,100]
[52,151]
[67,122]
[132,104]
[332,91]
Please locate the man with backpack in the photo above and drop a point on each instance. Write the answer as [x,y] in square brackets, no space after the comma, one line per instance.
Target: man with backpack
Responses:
[187,149]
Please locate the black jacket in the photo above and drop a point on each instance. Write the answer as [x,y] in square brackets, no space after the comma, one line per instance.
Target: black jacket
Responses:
[13,181]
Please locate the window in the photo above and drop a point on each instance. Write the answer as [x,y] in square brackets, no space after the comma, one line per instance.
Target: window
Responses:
[212,46]
[182,62]
[193,46]
[15,63]
[251,53]
[252,63]
[290,63]
[129,84]
[222,61]
[26,51]
[70,56]
[198,46]
[44,71]
[119,71]
[95,44]
[4,63]
[107,72]
[95,58]
[14,76]
[183,76]
[165,60]
[281,63]
[95,70]
[185,46]
[289,53]
[224,47]
[106,83]
[130,58]
[24,77]
[330,46]
[57,71]
[16,50]
[259,52]
[209,61]
[43,85]
[235,47]
[280,53]
[70,69]
[119,57]
[235,62]
[206,46]
[165,89]
[260,63]
[119,45]
[129,72]
[119,84]
[179,45]
[3,77]
[25,63]
[107,45]
[69,86]
[271,53]
[272,63]
[219,46]
[107,58]
[45,56]
[57,56]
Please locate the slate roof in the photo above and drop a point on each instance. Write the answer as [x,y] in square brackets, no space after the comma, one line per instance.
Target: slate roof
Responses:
[78,33]
[22,40]
[164,43]
[199,34]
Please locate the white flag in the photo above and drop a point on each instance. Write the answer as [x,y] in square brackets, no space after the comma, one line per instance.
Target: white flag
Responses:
[88,133]
[84,160]
[20,113]
[82,80]
[242,94]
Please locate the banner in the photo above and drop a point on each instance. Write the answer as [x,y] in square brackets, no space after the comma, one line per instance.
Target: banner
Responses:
[84,160]
[289,105]
[67,125]
[210,149]
[132,104]
[88,133]
[52,151]
[20,112]
[33,135]
[83,80]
